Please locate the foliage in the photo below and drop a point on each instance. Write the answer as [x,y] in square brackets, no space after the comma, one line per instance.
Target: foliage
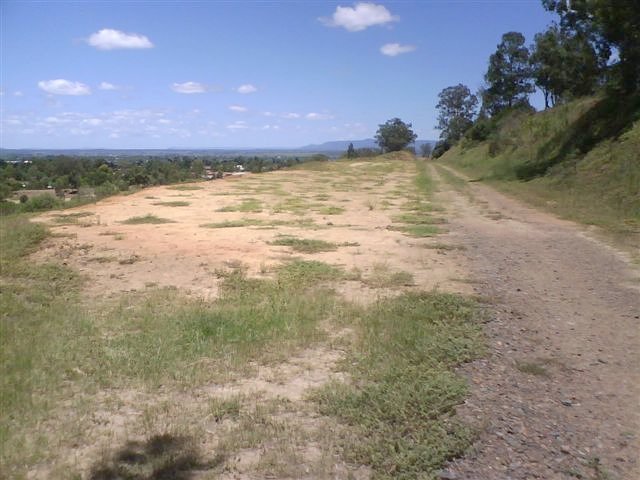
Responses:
[351,152]
[579,159]
[394,135]
[400,409]
[457,107]
[607,24]
[508,76]
[441,147]
[426,149]
[564,65]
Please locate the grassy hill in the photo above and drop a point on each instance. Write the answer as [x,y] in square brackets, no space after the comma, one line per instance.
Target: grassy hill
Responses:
[580,160]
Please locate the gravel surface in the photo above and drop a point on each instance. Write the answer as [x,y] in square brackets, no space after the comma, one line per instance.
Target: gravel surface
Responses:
[558,395]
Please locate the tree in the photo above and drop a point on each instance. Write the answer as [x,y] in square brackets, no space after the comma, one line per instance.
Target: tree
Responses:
[394,135]
[564,65]
[509,75]
[426,149]
[457,107]
[351,152]
[606,24]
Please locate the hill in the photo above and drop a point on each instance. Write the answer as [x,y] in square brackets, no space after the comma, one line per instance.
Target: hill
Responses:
[580,160]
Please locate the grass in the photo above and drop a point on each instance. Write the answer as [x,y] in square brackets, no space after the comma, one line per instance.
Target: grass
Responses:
[578,161]
[185,187]
[331,210]
[244,222]
[175,203]
[252,205]
[304,245]
[399,409]
[383,277]
[148,218]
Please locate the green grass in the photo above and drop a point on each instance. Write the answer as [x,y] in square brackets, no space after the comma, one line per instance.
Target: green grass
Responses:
[185,187]
[252,205]
[148,218]
[331,210]
[304,245]
[419,231]
[579,161]
[399,409]
[383,277]
[244,222]
[175,203]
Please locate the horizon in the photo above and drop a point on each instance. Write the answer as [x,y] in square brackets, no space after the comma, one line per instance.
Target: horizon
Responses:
[238,76]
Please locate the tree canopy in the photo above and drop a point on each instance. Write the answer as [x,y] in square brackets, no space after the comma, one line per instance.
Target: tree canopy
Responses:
[394,135]
[509,74]
[457,108]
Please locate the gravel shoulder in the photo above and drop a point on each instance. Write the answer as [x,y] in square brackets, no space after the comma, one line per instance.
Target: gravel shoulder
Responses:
[558,395]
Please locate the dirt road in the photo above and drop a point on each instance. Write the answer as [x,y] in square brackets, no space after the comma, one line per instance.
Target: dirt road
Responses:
[558,395]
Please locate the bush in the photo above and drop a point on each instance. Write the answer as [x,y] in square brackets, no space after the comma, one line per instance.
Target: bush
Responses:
[40,202]
[441,147]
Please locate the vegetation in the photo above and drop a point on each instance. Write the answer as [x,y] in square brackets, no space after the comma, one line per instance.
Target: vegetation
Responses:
[457,108]
[148,218]
[394,135]
[400,410]
[580,159]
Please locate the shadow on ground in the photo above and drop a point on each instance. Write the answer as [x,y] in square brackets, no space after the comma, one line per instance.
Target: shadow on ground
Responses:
[161,457]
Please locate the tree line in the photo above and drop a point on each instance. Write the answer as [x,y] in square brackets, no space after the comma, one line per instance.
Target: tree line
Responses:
[594,46]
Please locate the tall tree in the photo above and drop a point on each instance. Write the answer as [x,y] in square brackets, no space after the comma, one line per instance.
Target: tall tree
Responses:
[509,74]
[564,65]
[351,152]
[457,107]
[394,135]
[607,24]
[426,150]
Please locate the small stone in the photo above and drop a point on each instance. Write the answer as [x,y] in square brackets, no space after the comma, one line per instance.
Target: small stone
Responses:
[566,403]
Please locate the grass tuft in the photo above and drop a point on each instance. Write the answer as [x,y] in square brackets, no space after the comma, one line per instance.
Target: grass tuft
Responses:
[148,218]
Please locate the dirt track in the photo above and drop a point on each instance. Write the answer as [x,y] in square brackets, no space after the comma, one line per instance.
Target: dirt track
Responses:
[558,396]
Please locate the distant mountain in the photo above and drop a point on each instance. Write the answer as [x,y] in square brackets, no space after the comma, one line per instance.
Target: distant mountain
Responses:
[342,145]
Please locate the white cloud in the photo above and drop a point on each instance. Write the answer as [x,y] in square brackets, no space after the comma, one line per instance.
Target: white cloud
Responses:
[64,87]
[93,122]
[290,115]
[164,121]
[239,125]
[109,39]
[394,49]
[247,88]
[18,93]
[362,16]
[237,108]
[188,87]
[318,116]
[107,86]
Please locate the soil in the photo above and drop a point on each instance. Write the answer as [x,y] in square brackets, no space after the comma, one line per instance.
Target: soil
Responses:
[558,396]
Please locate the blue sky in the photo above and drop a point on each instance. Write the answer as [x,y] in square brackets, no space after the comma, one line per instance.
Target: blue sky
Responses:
[238,74]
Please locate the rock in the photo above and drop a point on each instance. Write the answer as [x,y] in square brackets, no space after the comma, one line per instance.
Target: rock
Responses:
[446,475]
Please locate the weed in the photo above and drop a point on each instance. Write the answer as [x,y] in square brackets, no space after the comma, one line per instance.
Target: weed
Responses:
[185,187]
[382,277]
[532,368]
[252,205]
[331,210]
[399,408]
[304,245]
[176,203]
[148,218]
[244,222]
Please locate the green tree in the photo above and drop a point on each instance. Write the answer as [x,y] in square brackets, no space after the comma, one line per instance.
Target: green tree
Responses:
[394,135]
[457,107]
[351,152]
[425,150]
[564,65]
[607,24]
[509,75]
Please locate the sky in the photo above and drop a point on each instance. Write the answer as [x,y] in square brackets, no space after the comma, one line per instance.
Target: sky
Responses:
[239,74]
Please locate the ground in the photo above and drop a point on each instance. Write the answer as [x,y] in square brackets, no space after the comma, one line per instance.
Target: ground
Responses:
[555,396]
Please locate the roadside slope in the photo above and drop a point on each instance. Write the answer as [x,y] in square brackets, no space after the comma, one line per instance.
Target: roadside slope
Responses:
[559,391]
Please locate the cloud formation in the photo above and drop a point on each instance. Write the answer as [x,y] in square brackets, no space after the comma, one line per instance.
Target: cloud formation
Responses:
[64,87]
[360,17]
[107,86]
[246,88]
[394,49]
[237,108]
[318,116]
[188,87]
[109,39]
